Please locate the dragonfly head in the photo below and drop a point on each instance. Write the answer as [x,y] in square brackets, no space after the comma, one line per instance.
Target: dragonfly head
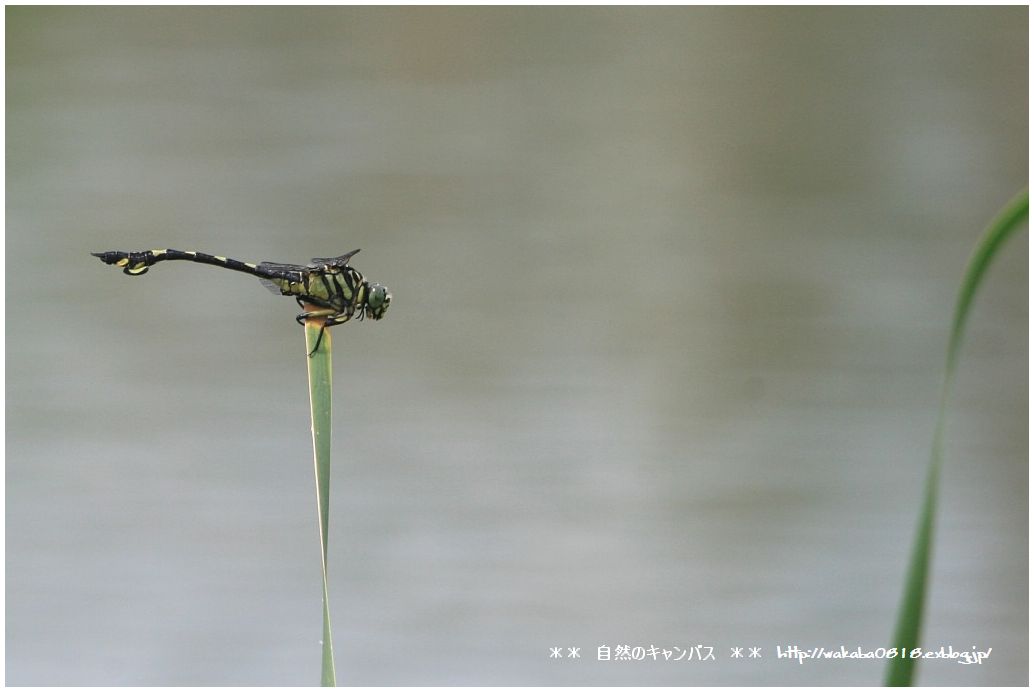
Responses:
[377,301]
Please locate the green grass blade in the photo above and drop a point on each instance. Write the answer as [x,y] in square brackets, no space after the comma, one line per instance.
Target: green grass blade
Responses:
[319,402]
[901,670]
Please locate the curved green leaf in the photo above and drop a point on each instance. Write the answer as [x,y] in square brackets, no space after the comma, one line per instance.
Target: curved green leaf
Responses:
[901,670]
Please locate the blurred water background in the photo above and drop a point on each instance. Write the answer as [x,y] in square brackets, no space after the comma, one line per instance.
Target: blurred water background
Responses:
[672,289]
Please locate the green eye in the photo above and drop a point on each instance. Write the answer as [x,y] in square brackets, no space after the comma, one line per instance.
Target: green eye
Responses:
[377,301]
[377,294]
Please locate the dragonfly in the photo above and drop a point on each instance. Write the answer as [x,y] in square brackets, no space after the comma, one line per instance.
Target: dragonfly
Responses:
[327,288]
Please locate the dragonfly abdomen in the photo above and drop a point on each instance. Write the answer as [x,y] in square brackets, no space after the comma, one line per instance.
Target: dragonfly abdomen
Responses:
[137,263]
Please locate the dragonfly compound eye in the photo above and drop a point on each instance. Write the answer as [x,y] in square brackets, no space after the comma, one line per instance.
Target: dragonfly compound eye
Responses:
[377,301]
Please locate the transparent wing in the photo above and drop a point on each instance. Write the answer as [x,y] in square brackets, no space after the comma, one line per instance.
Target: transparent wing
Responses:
[282,268]
[339,261]
[274,271]
[273,288]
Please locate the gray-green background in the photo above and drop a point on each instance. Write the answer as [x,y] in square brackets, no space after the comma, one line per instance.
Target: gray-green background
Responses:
[672,289]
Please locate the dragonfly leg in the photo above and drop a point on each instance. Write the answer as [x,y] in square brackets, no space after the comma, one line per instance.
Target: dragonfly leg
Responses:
[319,340]
[330,322]
[338,319]
[328,314]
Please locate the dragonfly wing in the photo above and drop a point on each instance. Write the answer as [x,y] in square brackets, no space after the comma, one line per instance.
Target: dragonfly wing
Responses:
[340,261]
[273,288]
[272,274]
[278,267]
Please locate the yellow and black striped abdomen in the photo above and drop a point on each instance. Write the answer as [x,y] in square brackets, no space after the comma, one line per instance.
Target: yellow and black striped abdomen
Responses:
[137,263]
